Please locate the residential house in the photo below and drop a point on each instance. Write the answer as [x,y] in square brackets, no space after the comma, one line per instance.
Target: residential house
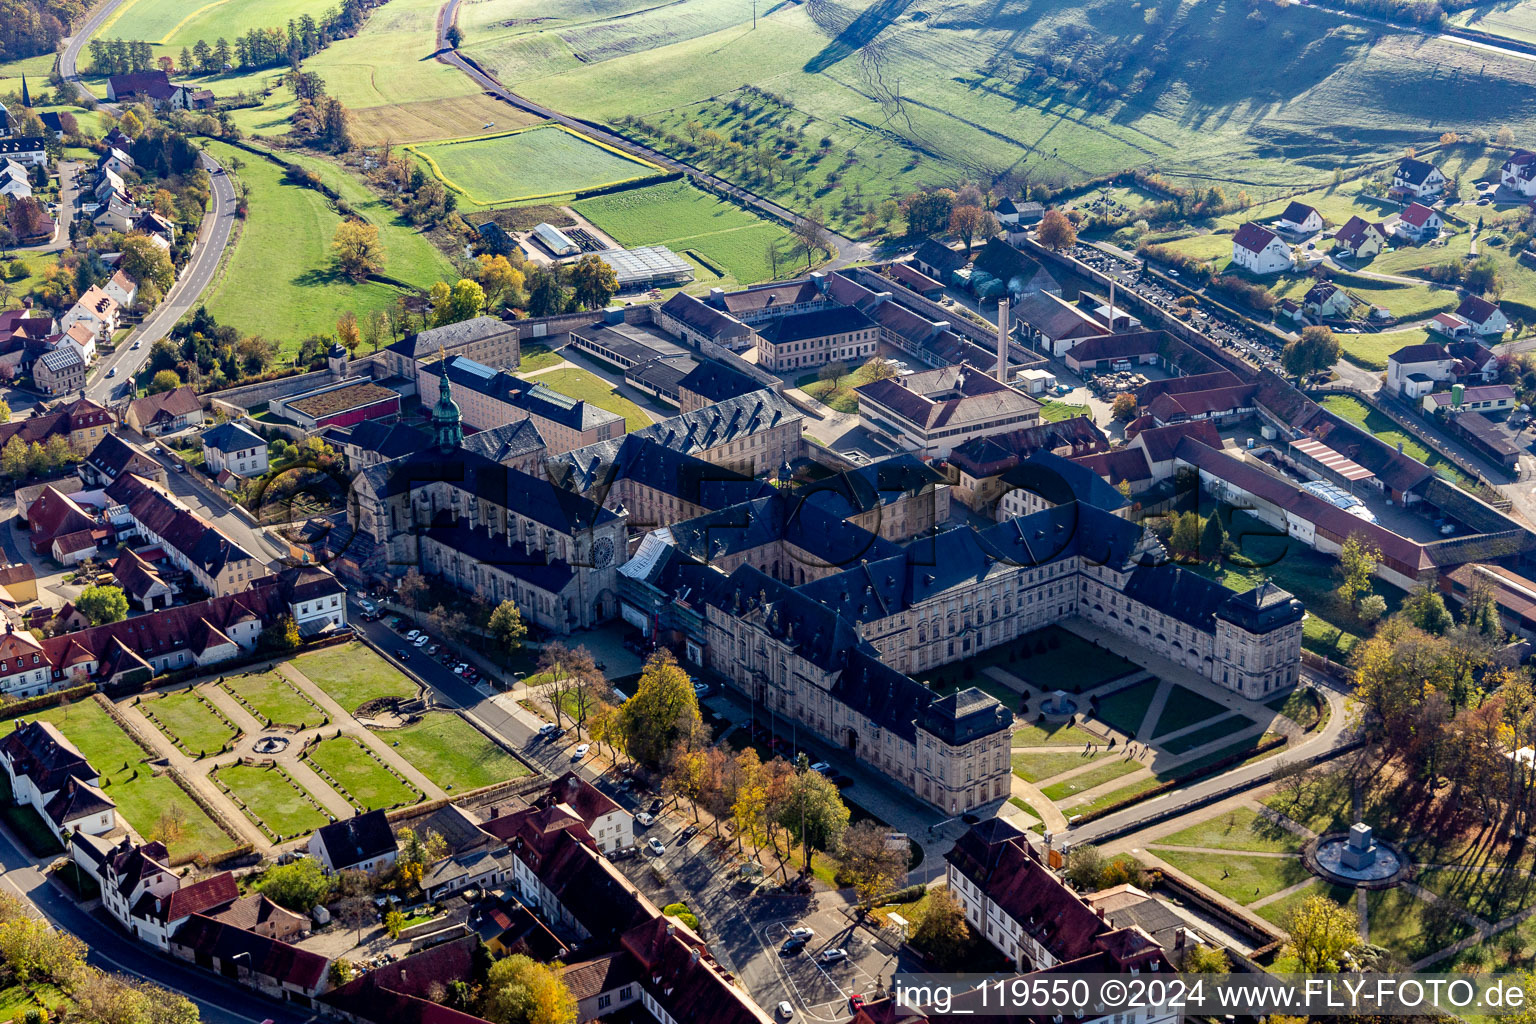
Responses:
[81,339]
[192,543]
[158,228]
[48,774]
[115,160]
[1419,223]
[611,826]
[1486,318]
[1429,359]
[153,88]
[123,289]
[95,310]
[1300,219]
[112,457]
[56,515]
[59,372]
[108,181]
[1474,363]
[15,181]
[1360,238]
[255,913]
[164,413]
[1259,250]
[1417,178]
[81,422]
[1519,173]
[115,212]
[233,448]
[142,582]
[1327,301]
[1484,399]
[25,150]
[1450,325]
[275,968]
[363,842]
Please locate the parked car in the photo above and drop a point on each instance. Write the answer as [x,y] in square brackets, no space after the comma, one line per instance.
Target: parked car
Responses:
[655,846]
[792,945]
[580,751]
[645,820]
[655,807]
[412,635]
[802,933]
[821,767]
[112,372]
[421,641]
[688,833]
[856,1002]
[785,1010]
[434,649]
[832,956]
[549,732]
[700,689]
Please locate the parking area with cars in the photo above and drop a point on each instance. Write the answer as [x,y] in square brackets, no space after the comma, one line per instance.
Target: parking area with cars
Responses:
[827,962]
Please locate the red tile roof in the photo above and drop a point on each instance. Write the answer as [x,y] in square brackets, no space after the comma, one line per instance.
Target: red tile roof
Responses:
[1418,214]
[199,897]
[1253,237]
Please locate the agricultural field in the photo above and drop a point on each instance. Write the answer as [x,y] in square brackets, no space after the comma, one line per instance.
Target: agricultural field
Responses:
[291,227]
[453,753]
[695,225]
[1055,92]
[35,69]
[1516,20]
[532,163]
[588,387]
[153,804]
[172,24]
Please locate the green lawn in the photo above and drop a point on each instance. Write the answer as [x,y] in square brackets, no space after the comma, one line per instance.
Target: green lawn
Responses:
[454,754]
[1051,733]
[537,357]
[1125,709]
[280,282]
[1491,895]
[277,699]
[839,394]
[1404,924]
[1241,829]
[686,220]
[1371,350]
[154,805]
[1323,805]
[1184,708]
[1096,776]
[1025,805]
[1219,729]
[1276,911]
[1033,767]
[22,286]
[191,722]
[358,776]
[526,164]
[273,800]
[172,24]
[1383,428]
[1053,658]
[1303,705]
[588,387]
[1240,879]
[354,675]
[1055,412]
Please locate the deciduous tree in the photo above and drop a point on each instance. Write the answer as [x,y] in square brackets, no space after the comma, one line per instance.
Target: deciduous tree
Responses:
[102,604]
[1316,349]
[593,282]
[942,935]
[814,812]
[520,990]
[1055,231]
[1358,557]
[663,714]
[357,249]
[970,222]
[1321,933]
[873,862]
[297,886]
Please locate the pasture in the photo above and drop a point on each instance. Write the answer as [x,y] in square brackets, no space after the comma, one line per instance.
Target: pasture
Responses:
[279,279]
[525,164]
[1516,20]
[1054,92]
[688,221]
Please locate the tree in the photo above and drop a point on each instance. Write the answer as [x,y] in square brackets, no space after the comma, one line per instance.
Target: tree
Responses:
[507,626]
[546,290]
[130,125]
[1358,558]
[165,380]
[1372,608]
[1123,408]
[394,923]
[34,951]
[146,262]
[593,282]
[348,332]
[942,935]
[500,279]
[13,458]
[357,250]
[1085,867]
[102,604]
[340,972]
[833,372]
[282,635]
[1213,538]
[1480,611]
[1321,934]
[410,589]
[28,218]
[520,990]
[1200,959]
[1055,231]
[463,301]
[879,368]
[299,886]
[970,222]
[872,861]
[5,412]
[663,713]
[418,851]
[1316,349]
[455,36]
[1425,608]
[928,212]
[814,812]
[354,912]
[773,254]
[1185,539]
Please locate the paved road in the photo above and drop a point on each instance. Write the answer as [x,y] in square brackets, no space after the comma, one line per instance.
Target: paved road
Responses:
[69,171]
[848,251]
[218,224]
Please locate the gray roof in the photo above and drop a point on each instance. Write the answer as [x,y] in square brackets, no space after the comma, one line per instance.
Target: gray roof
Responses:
[231,437]
[705,319]
[425,343]
[507,441]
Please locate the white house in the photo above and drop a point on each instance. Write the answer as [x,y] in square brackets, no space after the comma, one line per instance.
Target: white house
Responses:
[97,311]
[28,152]
[49,775]
[1259,250]
[122,288]
[15,182]
[1301,219]
[116,161]
[1418,178]
[360,843]
[1360,238]
[1519,173]
[115,213]
[1431,360]
[1326,299]
[1486,318]
[611,825]
[1420,223]
[80,338]
[1484,398]
[230,446]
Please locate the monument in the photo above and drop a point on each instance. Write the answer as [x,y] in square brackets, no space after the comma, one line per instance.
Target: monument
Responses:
[1359,853]
[1356,858]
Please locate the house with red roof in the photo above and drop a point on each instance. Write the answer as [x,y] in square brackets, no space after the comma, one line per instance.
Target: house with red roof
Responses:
[56,515]
[1360,238]
[1259,250]
[1419,223]
[1486,318]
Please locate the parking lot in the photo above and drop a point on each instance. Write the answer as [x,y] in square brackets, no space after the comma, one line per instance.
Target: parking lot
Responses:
[822,989]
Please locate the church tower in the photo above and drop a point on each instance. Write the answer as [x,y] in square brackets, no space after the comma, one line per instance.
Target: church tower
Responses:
[446,426]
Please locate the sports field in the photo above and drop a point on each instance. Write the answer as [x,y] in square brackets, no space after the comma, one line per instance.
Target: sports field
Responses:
[1051,91]
[688,221]
[533,163]
[279,282]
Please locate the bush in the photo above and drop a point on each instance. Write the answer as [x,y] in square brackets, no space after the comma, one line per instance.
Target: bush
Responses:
[682,913]
[910,894]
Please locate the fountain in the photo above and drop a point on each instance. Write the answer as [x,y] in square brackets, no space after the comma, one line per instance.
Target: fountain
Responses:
[1356,858]
[1058,705]
[270,744]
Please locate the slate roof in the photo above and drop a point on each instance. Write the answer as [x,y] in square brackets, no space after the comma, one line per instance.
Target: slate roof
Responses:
[357,839]
[1058,481]
[530,396]
[1353,232]
[997,453]
[702,318]
[1262,609]
[450,336]
[499,444]
[815,323]
[1425,353]
[41,752]
[231,437]
[114,456]
[1414,171]
[1253,237]
[199,541]
[288,964]
[1297,213]
[768,297]
[966,715]
[389,440]
[535,567]
[941,257]
[77,800]
[776,517]
[715,382]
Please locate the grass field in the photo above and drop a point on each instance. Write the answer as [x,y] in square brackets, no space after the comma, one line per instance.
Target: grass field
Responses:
[276,698]
[1033,767]
[537,357]
[354,675]
[172,24]
[291,227]
[1219,729]
[1051,734]
[1512,20]
[839,394]
[153,804]
[35,69]
[191,724]
[688,221]
[578,383]
[1184,708]
[1055,91]
[1125,709]
[272,799]
[361,779]
[1240,879]
[1055,412]
[531,163]
[1240,829]
[453,753]
[1057,659]
[1096,776]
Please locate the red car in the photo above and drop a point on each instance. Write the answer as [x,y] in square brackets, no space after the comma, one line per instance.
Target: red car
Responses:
[856,1002]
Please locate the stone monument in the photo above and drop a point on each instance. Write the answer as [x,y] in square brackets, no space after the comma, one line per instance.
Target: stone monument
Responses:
[1359,852]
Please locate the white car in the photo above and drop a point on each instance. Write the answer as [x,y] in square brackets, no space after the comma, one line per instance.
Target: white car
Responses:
[821,767]
[785,1010]
[580,751]
[802,933]
[654,845]
[421,641]
[645,819]
[832,956]
[412,635]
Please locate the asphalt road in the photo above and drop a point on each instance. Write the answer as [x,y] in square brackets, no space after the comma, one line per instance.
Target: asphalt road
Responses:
[218,224]
[69,172]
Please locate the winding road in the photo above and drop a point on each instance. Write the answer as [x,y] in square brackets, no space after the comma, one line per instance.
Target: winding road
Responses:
[848,250]
[112,375]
